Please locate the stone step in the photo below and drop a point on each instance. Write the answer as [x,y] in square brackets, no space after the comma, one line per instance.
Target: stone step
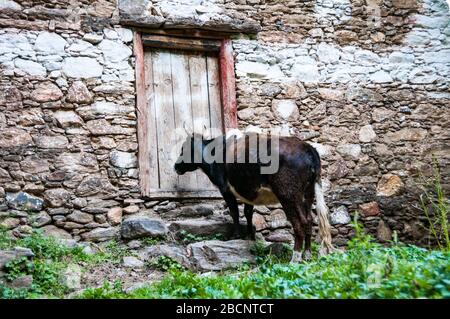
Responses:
[208,255]
[205,228]
[216,255]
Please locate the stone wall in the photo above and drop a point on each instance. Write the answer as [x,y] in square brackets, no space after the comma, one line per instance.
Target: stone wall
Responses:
[367,82]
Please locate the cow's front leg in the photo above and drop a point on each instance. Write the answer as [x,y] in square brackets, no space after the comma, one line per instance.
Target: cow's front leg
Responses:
[234,212]
[248,212]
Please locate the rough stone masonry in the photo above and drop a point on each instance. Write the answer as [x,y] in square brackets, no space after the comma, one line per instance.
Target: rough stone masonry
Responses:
[367,82]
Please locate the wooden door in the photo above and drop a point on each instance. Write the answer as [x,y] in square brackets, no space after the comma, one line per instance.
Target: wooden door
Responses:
[182,88]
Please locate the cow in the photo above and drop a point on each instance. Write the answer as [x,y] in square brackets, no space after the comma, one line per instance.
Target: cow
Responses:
[294,184]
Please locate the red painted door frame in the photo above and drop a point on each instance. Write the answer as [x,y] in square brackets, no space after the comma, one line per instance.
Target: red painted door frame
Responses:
[227,92]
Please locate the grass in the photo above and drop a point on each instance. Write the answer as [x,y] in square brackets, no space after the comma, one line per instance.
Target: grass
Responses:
[365,270]
[187,238]
[435,206]
[51,258]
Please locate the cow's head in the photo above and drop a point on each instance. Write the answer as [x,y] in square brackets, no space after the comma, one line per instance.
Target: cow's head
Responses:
[191,154]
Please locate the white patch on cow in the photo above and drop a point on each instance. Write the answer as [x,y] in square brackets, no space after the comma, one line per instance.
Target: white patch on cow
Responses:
[265,196]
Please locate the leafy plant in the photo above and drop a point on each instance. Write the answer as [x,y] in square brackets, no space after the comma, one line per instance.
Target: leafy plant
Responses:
[150,241]
[187,238]
[269,254]
[106,291]
[435,206]
[165,263]
[17,268]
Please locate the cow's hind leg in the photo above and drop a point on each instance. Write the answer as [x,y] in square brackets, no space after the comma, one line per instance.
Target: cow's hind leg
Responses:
[290,197]
[234,212]
[290,210]
[248,212]
[307,204]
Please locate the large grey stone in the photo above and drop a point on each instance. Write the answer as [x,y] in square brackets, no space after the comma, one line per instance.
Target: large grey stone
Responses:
[51,141]
[9,255]
[30,67]
[49,42]
[71,277]
[349,150]
[56,197]
[367,134]
[133,262]
[340,216]
[40,219]
[307,73]
[422,75]
[406,134]
[141,226]
[103,127]
[95,185]
[81,67]
[258,70]
[80,217]
[81,162]
[100,234]
[202,227]
[380,77]
[34,165]
[104,109]
[9,5]
[367,57]
[215,255]
[399,58]
[123,159]
[175,252]
[199,210]
[442,56]
[114,52]
[285,109]
[79,93]
[67,118]
[328,53]
[14,137]
[53,231]
[24,201]
[132,7]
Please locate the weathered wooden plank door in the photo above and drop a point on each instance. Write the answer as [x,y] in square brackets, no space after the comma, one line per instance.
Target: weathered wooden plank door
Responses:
[182,88]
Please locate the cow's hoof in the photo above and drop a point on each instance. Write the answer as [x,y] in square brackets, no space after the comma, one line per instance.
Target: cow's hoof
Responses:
[307,255]
[296,257]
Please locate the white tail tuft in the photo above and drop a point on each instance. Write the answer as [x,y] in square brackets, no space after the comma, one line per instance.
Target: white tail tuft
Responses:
[326,246]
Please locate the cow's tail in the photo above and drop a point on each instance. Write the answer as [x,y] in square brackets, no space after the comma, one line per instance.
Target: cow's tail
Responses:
[326,246]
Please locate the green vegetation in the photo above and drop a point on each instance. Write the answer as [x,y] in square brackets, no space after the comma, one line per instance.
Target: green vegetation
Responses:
[50,260]
[435,206]
[187,238]
[150,241]
[365,270]
[165,263]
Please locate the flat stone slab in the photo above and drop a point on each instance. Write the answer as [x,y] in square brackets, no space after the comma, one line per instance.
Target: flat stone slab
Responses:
[204,227]
[141,226]
[216,255]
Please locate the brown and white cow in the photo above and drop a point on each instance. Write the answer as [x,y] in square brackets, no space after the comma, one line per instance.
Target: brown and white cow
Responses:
[295,183]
